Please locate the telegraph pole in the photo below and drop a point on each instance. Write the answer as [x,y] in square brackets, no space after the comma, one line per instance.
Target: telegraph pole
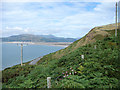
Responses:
[21,54]
[116,22]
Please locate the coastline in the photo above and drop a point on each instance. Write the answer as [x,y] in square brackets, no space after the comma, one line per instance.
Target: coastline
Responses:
[35,60]
[61,44]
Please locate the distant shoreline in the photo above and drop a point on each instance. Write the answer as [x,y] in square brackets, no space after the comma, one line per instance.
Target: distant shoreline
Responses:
[61,44]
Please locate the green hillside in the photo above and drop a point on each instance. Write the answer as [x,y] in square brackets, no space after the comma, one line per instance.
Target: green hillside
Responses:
[99,69]
[95,34]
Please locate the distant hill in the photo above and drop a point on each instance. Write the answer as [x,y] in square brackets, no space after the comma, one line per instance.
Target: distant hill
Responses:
[36,38]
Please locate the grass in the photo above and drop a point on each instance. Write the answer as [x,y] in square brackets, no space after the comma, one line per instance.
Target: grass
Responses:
[100,68]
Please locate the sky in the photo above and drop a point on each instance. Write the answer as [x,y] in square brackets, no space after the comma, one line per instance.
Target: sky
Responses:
[62,19]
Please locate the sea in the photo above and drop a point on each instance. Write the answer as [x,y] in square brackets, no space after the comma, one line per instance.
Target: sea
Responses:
[11,53]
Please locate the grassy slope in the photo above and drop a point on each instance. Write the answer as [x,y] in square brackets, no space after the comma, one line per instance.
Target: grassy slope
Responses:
[97,33]
[100,68]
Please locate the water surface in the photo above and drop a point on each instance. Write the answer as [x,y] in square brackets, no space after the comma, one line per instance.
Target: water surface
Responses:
[11,53]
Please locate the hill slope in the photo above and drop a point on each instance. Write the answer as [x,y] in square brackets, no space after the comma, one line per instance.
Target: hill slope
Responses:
[99,69]
[97,33]
[36,38]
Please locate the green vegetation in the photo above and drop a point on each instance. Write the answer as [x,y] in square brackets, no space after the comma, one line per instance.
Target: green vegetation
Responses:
[99,69]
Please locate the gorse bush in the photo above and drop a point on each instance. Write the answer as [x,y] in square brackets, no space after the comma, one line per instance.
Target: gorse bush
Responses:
[99,69]
[15,71]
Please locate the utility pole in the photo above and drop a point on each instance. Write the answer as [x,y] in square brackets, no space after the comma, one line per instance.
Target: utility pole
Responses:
[116,22]
[21,54]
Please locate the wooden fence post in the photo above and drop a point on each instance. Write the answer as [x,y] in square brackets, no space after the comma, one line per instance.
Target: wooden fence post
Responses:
[82,56]
[48,82]
[95,46]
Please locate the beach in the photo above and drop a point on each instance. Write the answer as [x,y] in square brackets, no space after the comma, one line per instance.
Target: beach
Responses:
[62,44]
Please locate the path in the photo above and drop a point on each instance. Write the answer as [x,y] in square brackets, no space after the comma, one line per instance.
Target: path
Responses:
[35,60]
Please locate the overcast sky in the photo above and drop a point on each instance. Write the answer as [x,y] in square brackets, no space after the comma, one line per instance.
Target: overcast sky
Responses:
[63,19]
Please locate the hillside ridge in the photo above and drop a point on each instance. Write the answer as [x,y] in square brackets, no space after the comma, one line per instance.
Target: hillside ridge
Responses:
[95,34]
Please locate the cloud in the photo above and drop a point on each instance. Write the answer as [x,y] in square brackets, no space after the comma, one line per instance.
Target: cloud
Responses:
[8,31]
[59,0]
[14,28]
[87,19]
[68,19]
[26,29]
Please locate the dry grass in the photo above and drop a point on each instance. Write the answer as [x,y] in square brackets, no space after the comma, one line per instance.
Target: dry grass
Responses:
[97,33]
